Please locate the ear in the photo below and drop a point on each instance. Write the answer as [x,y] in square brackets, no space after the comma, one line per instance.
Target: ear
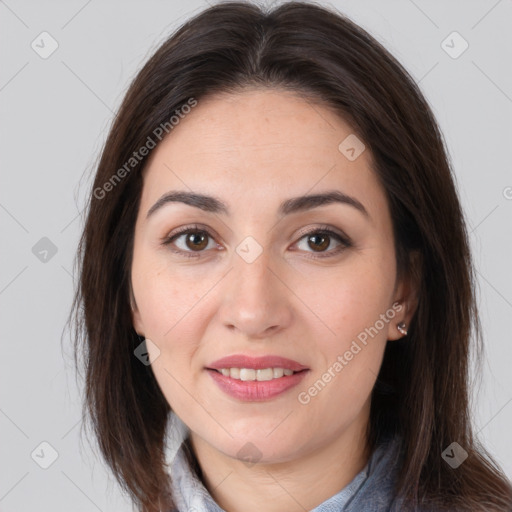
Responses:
[136,316]
[407,295]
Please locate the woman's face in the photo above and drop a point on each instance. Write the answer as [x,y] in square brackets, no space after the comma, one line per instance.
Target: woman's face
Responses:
[253,276]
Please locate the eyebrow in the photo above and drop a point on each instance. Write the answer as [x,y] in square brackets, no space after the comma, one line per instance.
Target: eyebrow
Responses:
[293,205]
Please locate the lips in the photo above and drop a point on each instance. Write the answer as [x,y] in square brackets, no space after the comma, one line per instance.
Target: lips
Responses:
[256,363]
[242,387]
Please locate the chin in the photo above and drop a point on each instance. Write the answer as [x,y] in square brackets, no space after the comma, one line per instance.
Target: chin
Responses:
[255,443]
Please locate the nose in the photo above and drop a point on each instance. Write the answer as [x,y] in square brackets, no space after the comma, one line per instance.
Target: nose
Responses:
[255,298]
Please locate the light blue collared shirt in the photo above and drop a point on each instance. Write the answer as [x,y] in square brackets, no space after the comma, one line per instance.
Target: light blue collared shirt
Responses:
[371,490]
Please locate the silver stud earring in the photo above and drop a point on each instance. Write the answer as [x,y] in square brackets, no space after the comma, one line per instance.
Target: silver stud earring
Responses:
[401,328]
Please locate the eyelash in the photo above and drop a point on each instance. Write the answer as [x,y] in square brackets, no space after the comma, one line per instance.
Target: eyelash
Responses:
[323,230]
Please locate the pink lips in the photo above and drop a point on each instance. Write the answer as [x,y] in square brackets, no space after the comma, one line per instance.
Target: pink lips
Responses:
[257,363]
[256,391]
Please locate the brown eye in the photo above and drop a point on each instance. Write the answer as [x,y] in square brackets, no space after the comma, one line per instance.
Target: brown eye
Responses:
[189,241]
[318,242]
[196,240]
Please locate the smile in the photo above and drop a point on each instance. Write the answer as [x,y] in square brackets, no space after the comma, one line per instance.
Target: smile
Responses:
[248,374]
[256,379]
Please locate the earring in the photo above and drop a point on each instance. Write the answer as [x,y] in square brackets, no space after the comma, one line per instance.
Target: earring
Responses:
[401,328]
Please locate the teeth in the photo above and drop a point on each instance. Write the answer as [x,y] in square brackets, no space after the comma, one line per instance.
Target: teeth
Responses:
[246,374]
[266,374]
[278,372]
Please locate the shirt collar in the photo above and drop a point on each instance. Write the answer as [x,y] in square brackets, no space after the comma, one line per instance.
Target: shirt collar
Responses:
[371,490]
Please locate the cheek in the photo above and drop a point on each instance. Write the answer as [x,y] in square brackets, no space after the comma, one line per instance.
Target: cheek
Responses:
[351,300]
[165,296]
[168,303]
[354,308]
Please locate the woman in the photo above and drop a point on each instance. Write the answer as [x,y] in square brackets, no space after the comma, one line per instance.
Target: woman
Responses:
[276,292]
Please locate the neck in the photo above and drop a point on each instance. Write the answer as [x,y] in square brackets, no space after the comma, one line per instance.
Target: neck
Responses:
[295,486]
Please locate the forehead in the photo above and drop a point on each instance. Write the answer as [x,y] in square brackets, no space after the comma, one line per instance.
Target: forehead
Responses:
[258,144]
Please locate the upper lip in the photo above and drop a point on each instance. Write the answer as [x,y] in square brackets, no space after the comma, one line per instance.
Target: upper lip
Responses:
[256,363]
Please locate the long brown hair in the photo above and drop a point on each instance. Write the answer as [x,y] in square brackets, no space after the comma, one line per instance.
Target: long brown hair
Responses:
[422,391]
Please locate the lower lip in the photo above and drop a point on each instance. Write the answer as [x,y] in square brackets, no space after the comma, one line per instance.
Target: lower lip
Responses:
[253,390]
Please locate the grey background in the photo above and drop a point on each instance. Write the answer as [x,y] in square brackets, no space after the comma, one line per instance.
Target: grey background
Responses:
[55,114]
